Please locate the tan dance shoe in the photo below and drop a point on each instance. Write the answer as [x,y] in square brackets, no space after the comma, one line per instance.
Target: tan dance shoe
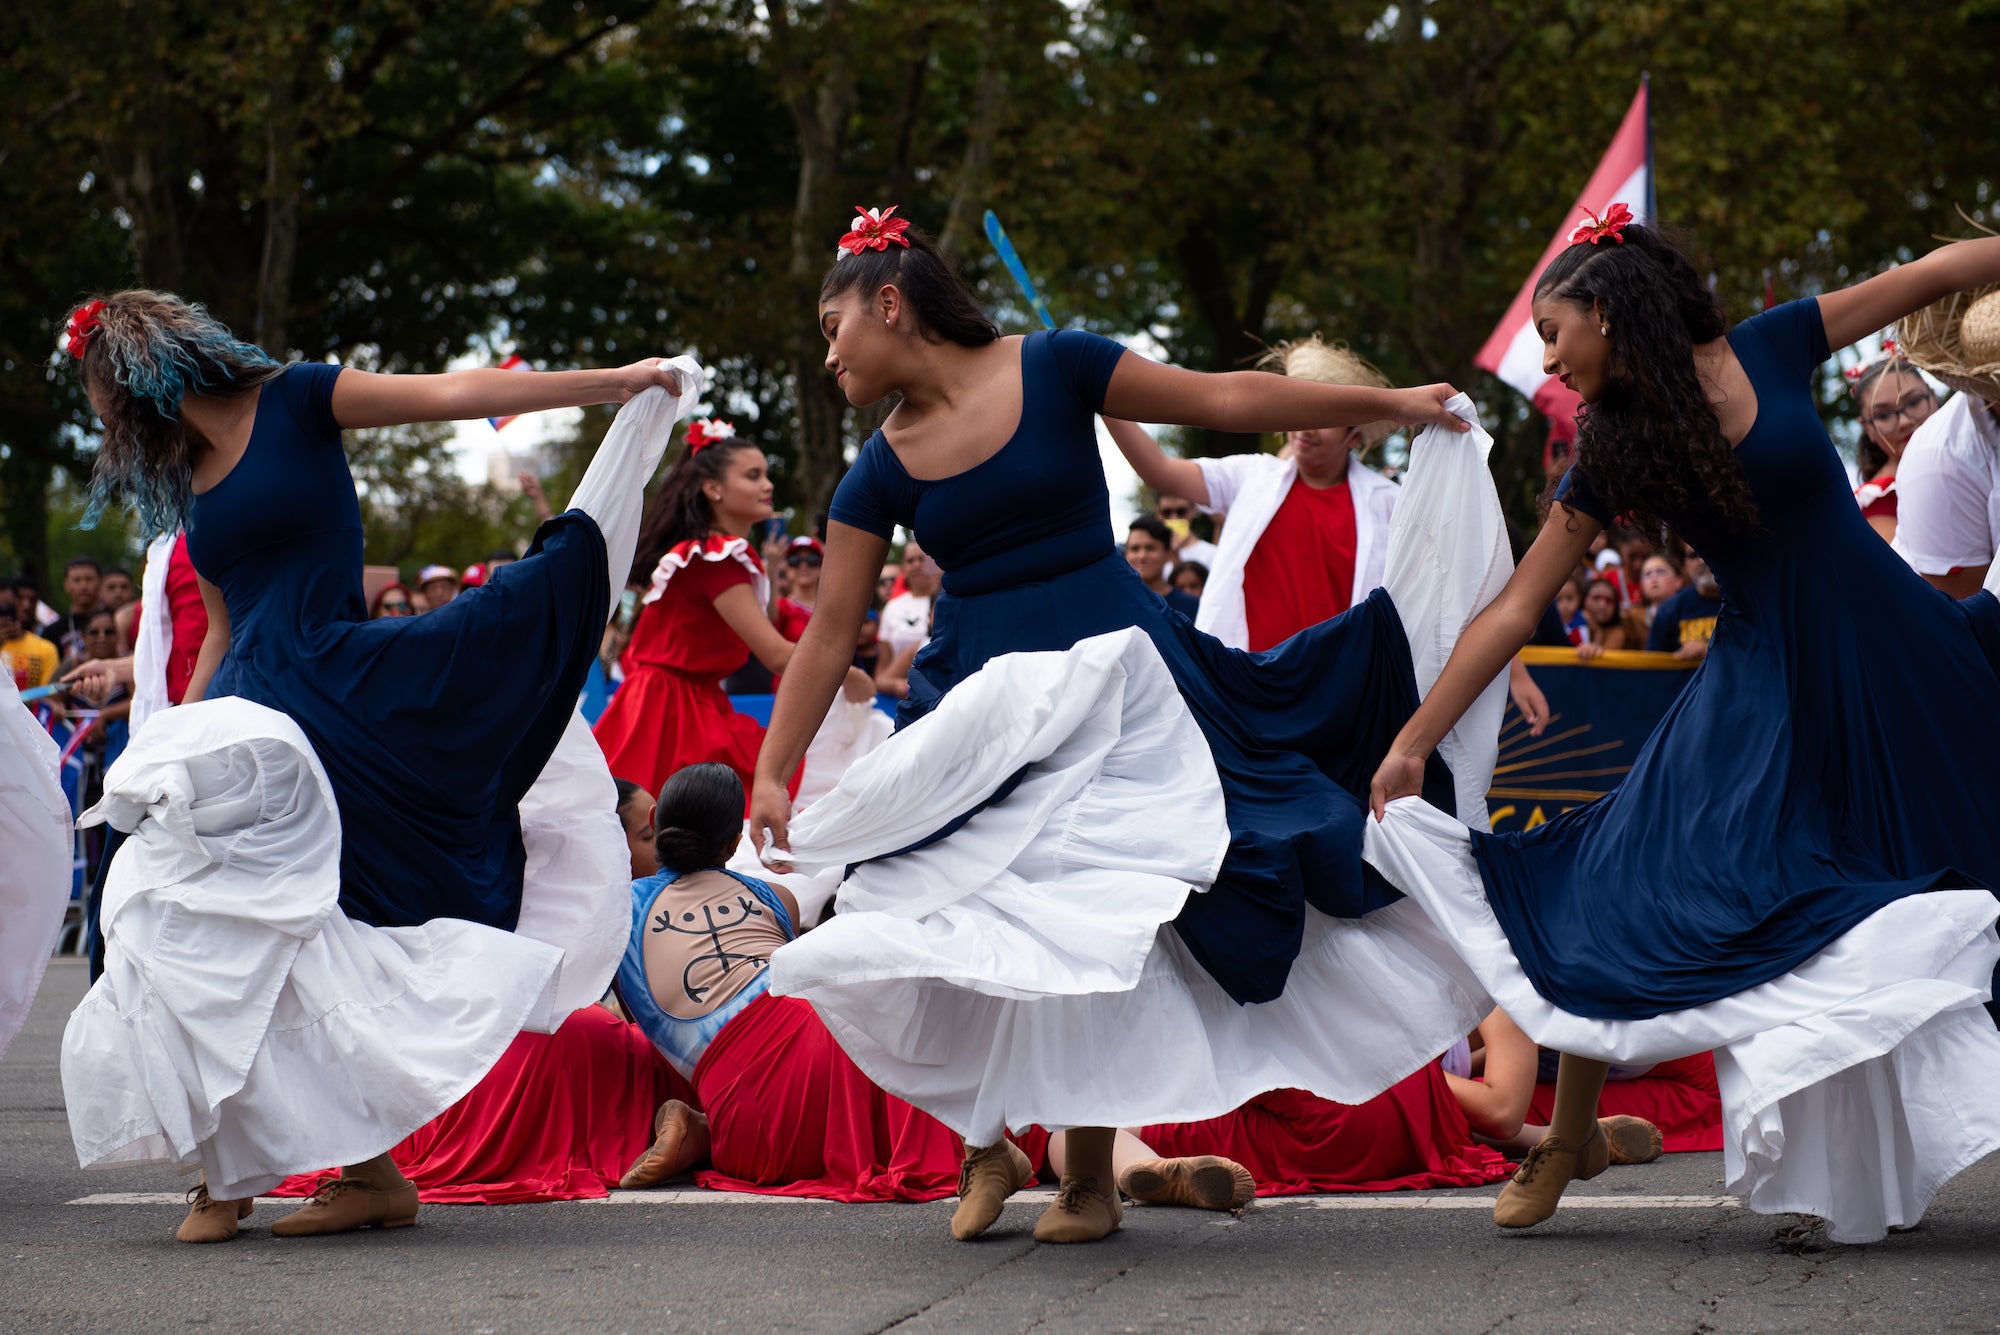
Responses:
[370,1195]
[1538,1183]
[1632,1139]
[680,1141]
[211,1220]
[989,1175]
[1204,1182]
[1082,1211]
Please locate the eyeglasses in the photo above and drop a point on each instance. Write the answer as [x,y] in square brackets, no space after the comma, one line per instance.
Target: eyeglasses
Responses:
[1915,407]
[398,609]
[1177,512]
[807,560]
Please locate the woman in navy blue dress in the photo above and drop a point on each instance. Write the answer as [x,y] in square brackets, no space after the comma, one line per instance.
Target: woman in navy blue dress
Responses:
[1832,758]
[430,732]
[990,457]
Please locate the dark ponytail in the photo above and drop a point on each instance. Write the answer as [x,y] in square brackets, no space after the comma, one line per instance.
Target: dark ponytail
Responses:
[679,510]
[699,818]
[945,307]
[1651,447]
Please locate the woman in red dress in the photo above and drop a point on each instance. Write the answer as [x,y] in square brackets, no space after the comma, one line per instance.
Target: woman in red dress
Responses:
[705,612]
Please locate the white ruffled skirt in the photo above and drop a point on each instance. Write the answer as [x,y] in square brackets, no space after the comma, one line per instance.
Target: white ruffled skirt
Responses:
[244,1025]
[1025,970]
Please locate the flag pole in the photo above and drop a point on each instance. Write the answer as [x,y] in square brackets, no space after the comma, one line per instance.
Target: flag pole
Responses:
[1652,177]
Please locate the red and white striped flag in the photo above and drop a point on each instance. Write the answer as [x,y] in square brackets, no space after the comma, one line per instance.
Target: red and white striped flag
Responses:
[514,362]
[1514,352]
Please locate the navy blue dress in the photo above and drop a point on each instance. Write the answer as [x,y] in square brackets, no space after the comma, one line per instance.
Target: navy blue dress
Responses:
[431,729]
[1834,752]
[1031,563]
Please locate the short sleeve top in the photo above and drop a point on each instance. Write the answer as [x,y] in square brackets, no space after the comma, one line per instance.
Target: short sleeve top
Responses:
[1949,485]
[679,629]
[1779,349]
[1036,509]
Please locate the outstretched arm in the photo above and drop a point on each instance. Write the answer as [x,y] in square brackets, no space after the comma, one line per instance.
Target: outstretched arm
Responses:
[1146,391]
[738,607]
[822,658]
[1493,638]
[1169,477]
[1855,312]
[368,399]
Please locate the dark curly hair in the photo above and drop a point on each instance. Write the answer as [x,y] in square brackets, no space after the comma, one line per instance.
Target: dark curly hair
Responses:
[1651,448]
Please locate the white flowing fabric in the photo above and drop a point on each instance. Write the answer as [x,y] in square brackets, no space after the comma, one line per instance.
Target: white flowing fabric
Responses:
[247,1027]
[1025,970]
[153,637]
[1852,1088]
[36,867]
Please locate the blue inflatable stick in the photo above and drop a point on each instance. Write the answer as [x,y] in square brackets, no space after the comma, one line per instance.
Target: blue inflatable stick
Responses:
[1009,257]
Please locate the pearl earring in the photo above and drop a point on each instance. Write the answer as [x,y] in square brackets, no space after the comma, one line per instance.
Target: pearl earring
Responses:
[1605,330]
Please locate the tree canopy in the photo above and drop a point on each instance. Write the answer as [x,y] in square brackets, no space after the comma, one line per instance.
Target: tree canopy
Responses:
[402,183]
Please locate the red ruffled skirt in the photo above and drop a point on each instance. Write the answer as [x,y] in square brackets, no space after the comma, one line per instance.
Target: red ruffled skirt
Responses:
[560,1118]
[1680,1097]
[661,721]
[790,1115]
[1411,1137]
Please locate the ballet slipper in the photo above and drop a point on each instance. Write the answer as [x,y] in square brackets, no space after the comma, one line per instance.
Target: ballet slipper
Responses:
[1632,1139]
[680,1141]
[1204,1182]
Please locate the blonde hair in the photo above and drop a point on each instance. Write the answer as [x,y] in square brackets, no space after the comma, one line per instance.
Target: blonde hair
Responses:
[1331,364]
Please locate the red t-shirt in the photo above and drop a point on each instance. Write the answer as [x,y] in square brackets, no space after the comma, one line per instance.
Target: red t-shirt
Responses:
[1301,572]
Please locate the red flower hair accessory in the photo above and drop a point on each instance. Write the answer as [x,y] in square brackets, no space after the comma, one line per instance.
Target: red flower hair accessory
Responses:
[873,229]
[1611,225]
[705,432]
[82,323]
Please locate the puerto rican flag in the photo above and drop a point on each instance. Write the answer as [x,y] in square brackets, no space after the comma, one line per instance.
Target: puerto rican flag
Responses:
[515,362]
[1514,352]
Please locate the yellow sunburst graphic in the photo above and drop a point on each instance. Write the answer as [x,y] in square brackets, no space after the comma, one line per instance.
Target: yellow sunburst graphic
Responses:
[1531,770]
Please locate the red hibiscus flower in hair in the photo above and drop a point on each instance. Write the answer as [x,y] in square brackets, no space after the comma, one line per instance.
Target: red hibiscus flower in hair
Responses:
[874,229]
[1611,226]
[706,431]
[81,325]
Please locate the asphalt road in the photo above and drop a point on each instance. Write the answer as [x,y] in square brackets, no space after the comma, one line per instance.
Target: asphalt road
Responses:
[1656,1253]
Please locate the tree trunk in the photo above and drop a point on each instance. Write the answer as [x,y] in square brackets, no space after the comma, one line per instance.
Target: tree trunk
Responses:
[821,96]
[1236,333]
[281,217]
[968,202]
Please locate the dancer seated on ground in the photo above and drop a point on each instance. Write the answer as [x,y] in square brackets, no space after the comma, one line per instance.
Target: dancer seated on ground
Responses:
[1494,1071]
[635,814]
[787,1113]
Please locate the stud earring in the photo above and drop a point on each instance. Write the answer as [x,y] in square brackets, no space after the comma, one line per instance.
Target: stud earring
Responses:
[1605,330]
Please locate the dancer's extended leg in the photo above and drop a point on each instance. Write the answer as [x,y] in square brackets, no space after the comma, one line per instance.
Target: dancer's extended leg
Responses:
[1575,1147]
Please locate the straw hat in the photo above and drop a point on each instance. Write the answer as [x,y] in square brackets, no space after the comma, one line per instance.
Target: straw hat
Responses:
[1958,339]
[1331,364]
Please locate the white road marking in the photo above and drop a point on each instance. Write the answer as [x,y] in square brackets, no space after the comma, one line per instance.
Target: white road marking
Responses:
[1359,1201]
